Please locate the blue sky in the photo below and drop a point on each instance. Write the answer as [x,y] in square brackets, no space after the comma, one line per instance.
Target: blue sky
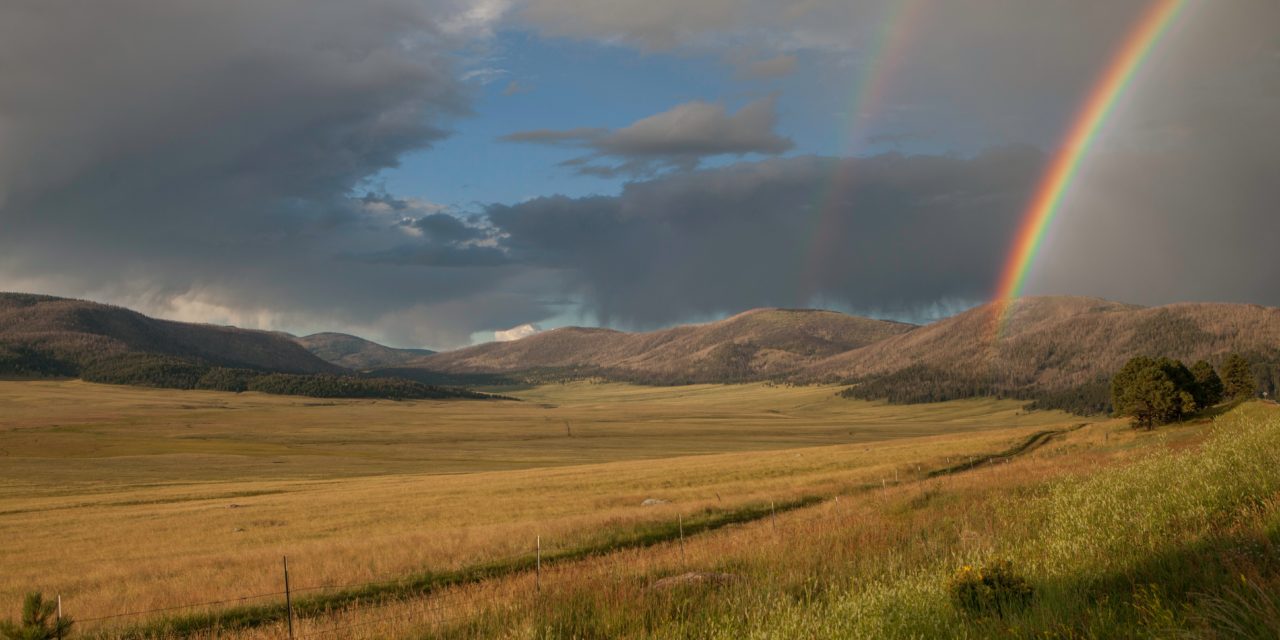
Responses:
[563,84]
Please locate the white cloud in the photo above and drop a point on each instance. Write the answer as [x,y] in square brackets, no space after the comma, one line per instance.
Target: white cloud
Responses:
[516,333]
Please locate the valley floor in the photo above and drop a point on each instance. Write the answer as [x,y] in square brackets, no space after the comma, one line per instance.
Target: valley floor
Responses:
[850,516]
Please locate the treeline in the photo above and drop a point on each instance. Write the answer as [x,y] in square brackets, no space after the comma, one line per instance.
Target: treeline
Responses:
[1156,391]
[917,384]
[168,372]
[1089,399]
[17,361]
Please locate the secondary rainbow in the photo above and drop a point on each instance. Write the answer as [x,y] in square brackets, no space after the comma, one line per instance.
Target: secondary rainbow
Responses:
[885,55]
[1102,99]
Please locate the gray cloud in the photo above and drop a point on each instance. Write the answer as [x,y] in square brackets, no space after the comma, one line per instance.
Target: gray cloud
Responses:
[653,24]
[992,71]
[443,227]
[1177,201]
[774,67]
[679,137]
[895,233]
[195,159]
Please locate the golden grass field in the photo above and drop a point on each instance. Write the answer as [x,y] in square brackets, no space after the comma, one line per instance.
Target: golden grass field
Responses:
[871,563]
[123,498]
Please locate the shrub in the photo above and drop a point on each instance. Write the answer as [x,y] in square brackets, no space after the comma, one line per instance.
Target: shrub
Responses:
[38,621]
[993,589]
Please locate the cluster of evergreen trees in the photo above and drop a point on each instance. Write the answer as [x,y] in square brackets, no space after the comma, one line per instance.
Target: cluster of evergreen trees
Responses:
[24,362]
[919,383]
[1156,391]
[150,370]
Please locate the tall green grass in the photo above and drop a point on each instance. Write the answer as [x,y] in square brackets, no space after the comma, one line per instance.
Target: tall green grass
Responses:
[1179,543]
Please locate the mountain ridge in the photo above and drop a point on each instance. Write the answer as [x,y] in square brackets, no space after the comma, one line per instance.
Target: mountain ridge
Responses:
[354,352]
[755,344]
[73,332]
[1060,346]
[1059,351]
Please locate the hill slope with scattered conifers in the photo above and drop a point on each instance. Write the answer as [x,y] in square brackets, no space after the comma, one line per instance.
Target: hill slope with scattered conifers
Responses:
[1058,351]
[1062,349]
[43,336]
[357,353]
[68,334]
[754,345]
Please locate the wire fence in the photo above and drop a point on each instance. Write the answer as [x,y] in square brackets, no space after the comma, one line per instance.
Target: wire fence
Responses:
[401,590]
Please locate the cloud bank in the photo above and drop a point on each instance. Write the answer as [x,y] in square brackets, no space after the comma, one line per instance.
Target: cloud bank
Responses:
[891,232]
[200,158]
[679,138]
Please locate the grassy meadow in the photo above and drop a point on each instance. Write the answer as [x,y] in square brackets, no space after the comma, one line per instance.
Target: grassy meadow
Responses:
[1120,535]
[828,517]
[124,498]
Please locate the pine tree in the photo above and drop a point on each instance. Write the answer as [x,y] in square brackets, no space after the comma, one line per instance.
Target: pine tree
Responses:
[38,621]
[1237,378]
[1154,392]
[1208,390]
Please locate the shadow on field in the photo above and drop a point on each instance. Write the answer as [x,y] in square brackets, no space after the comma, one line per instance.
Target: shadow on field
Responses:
[1224,586]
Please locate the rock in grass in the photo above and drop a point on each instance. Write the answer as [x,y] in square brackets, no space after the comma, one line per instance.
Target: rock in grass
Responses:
[695,579]
[653,502]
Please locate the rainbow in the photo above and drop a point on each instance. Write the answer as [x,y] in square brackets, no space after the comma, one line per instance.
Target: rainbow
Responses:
[885,55]
[1047,200]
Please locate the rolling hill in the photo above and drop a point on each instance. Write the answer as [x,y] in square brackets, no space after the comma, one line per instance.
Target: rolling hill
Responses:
[1055,348]
[356,353]
[68,334]
[44,336]
[754,345]
[1059,351]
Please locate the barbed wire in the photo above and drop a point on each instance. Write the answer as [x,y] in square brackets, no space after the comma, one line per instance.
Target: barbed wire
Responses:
[181,606]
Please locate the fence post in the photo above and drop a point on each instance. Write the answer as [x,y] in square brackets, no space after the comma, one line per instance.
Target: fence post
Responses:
[773,516]
[538,580]
[59,627]
[288,597]
[680,522]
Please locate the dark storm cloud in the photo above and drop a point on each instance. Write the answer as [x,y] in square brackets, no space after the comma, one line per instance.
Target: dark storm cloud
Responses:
[677,138]
[1178,201]
[442,240]
[895,233]
[443,227]
[1177,197]
[438,255]
[196,159]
